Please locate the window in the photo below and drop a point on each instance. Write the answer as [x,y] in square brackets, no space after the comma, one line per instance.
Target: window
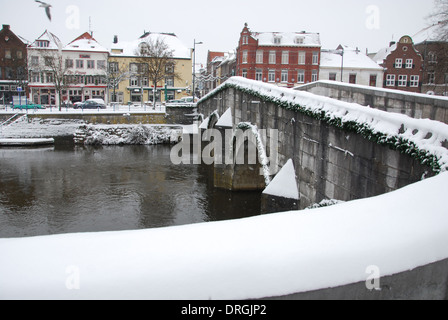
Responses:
[245,56]
[90,64]
[245,40]
[431,78]
[398,63]
[259,58]
[372,81]
[390,80]
[19,54]
[299,40]
[415,81]
[35,77]
[34,61]
[277,40]
[402,80]
[352,78]
[314,76]
[169,81]
[244,74]
[332,76]
[315,58]
[113,67]
[68,63]
[285,57]
[169,68]
[259,75]
[79,64]
[272,57]
[301,76]
[133,67]
[7,54]
[302,56]
[134,82]
[271,76]
[409,63]
[432,57]
[43,44]
[101,64]
[284,77]
[49,61]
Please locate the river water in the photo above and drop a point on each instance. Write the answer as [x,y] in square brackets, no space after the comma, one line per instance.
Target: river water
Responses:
[67,188]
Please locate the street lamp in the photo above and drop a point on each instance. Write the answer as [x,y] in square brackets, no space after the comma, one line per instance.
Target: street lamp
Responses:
[194,66]
[341,53]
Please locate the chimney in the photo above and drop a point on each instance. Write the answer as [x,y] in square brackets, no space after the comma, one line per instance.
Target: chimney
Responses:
[6,27]
[115,39]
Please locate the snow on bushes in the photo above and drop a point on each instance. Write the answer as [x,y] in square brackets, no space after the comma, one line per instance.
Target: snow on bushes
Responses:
[126,135]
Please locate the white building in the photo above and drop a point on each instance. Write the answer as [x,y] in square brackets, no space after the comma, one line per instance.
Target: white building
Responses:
[356,67]
[82,65]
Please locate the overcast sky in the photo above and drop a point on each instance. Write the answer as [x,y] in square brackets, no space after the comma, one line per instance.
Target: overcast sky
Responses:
[367,24]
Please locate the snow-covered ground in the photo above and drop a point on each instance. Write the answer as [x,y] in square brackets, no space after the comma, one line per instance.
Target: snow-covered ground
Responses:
[268,255]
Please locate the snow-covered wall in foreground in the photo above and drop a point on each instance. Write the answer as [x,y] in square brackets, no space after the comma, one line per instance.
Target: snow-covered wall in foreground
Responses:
[264,256]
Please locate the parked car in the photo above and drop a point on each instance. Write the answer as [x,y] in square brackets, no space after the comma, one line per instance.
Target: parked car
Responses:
[29,106]
[91,104]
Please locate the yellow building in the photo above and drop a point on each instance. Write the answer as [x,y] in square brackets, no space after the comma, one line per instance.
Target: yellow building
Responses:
[133,84]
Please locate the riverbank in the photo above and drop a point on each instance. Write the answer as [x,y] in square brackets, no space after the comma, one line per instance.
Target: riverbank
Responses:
[84,131]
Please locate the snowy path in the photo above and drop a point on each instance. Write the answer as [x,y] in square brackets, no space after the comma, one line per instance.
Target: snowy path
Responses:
[256,257]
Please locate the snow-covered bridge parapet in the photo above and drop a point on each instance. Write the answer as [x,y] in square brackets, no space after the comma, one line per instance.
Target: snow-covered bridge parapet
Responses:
[415,105]
[340,150]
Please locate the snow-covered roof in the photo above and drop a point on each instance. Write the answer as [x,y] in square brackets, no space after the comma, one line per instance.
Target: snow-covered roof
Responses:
[53,41]
[353,59]
[85,42]
[294,39]
[124,48]
[383,53]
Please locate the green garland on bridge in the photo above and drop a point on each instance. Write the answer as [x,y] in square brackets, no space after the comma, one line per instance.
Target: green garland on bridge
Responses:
[394,142]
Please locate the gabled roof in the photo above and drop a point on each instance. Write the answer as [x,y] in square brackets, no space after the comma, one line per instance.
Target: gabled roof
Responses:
[53,41]
[353,58]
[85,42]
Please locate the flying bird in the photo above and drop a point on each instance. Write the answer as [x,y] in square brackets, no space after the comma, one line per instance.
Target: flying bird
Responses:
[47,8]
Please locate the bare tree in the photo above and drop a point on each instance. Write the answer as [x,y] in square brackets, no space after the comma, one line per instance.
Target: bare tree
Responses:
[115,74]
[56,71]
[439,17]
[158,58]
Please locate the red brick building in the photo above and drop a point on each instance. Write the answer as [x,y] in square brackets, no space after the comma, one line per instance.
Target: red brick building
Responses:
[13,66]
[284,58]
[402,66]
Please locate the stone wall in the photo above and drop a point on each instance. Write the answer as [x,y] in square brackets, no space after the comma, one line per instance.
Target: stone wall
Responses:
[414,105]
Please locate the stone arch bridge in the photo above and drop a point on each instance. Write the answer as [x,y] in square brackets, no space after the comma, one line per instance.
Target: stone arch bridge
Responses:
[340,150]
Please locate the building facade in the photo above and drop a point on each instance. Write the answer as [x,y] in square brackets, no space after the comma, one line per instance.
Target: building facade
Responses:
[286,59]
[134,84]
[13,65]
[72,73]
[350,65]
[434,48]
[402,65]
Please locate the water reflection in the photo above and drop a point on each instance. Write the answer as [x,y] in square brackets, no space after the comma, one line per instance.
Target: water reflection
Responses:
[79,189]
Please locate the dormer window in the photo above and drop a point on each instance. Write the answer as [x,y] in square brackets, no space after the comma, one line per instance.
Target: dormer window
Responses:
[277,40]
[43,44]
[299,40]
